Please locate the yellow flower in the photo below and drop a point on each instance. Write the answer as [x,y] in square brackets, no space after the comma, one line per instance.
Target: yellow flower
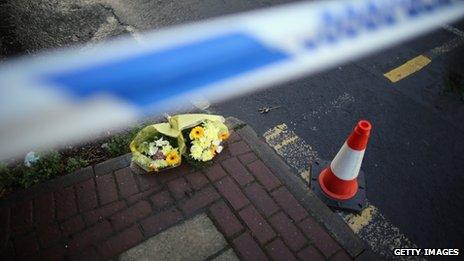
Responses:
[196,151]
[207,155]
[173,158]
[224,136]
[197,133]
[213,150]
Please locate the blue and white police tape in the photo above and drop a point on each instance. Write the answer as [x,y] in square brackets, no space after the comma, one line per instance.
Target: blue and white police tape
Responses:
[64,96]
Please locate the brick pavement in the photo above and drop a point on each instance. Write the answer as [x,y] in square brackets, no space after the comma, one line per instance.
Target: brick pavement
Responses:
[114,209]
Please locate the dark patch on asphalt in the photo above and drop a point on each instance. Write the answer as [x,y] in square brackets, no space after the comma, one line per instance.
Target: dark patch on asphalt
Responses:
[46,24]
[9,46]
[145,15]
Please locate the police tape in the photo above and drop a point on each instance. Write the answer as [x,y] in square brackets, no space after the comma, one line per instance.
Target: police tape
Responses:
[66,95]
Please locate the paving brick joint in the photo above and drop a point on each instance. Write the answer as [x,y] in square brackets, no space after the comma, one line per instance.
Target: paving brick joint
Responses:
[115,209]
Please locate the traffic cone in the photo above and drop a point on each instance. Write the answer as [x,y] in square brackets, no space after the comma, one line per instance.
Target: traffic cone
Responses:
[338,182]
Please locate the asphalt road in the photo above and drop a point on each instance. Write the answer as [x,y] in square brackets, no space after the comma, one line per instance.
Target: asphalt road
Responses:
[414,163]
[415,158]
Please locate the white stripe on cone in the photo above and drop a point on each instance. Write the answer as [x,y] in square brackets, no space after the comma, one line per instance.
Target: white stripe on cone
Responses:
[347,163]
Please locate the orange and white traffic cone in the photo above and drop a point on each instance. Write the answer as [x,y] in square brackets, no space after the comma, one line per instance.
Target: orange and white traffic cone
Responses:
[338,184]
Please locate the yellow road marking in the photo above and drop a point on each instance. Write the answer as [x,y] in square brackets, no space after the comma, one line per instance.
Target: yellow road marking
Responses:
[275,132]
[286,142]
[294,150]
[407,68]
[306,176]
[381,235]
[357,222]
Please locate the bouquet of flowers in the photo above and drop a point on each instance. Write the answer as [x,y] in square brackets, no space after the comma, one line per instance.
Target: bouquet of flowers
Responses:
[203,135]
[157,147]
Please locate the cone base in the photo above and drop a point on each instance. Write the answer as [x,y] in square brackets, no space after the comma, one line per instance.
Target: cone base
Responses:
[335,187]
[355,204]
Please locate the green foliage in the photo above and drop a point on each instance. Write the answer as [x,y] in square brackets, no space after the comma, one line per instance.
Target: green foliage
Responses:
[119,143]
[144,147]
[6,177]
[48,165]
[75,163]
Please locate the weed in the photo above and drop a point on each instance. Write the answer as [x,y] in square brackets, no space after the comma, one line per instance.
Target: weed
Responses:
[119,143]
[75,163]
[46,167]
[21,176]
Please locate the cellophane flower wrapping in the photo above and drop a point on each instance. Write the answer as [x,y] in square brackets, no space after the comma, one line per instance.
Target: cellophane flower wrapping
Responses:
[157,147]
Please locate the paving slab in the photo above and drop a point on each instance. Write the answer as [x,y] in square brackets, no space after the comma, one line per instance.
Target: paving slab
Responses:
[226,256]
[196,239]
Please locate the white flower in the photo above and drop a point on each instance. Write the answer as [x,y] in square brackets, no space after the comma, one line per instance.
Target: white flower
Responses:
[219,149]
[160,142]
[30,159]
[152,149]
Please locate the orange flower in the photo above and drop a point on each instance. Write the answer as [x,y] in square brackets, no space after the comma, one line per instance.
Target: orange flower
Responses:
[224,136]
[173,158]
